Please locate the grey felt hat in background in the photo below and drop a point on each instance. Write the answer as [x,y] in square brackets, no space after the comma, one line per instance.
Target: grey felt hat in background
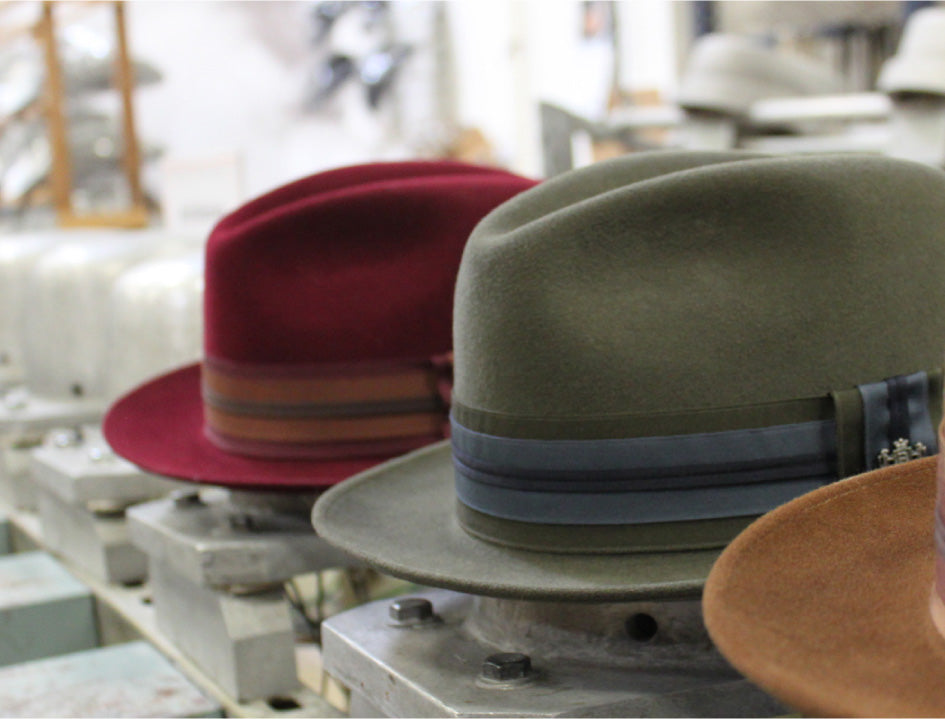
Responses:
[727,73]
[654,350]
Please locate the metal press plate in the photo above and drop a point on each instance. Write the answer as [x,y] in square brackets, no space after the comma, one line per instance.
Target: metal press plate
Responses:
[22,412]
[433,669]
[87,470]
[215,543]
[124,680]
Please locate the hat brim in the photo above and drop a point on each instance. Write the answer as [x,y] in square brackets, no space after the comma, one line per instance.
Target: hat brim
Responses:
[399,517]
[824,602]
[159,427]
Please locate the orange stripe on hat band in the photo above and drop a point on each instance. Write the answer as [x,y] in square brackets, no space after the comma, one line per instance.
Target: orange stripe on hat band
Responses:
[325,410]
[320,450]
[328,386]
[323,429]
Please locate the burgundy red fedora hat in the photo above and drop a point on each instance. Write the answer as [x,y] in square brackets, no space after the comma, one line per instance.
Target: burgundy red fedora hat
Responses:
[327,330]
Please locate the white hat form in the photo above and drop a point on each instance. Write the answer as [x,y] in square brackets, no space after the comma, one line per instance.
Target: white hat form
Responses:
[155,320]
[64,318]
[919,64]
[18,254]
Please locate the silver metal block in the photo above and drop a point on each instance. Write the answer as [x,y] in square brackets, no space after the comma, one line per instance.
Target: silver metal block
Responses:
[918,129]
[24,419]
[245,643]
[477,656]
[44,610]
[5,543]
[25,413]
[704,132]
[16,486]
[96,544]
[215,542]
[123,680]
[11,375]
[81,468]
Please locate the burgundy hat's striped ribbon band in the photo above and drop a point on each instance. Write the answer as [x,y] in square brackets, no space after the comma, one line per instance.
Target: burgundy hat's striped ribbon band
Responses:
[336,411]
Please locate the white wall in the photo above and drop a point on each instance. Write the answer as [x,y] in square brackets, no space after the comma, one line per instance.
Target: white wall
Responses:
[234,74]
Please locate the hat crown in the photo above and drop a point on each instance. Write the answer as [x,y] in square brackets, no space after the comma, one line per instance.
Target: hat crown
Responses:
[692,338]
[727,73]
[347,265]
[692,281]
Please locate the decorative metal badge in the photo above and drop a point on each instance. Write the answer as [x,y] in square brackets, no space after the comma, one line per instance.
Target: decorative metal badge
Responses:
[902,451]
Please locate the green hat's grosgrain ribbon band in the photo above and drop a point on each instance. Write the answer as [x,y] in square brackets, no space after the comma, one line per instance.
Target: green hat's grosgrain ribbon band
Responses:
[642,480]
[684,491]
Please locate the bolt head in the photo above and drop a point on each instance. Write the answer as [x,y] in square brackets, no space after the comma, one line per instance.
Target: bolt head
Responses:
[16,399]
[186,498]
[67,438]
[101,454]
[506,666]
[411,610]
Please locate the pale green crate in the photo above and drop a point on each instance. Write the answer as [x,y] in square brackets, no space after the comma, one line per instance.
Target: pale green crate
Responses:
[122,680]
[44,610]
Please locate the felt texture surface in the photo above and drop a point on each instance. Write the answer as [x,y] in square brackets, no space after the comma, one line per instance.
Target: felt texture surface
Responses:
[399,518]
[710,287]
[351,265]
[825,601]
[696,281]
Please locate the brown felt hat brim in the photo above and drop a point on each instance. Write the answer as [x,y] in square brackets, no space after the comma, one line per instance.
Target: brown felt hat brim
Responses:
[824,602]
[400,518]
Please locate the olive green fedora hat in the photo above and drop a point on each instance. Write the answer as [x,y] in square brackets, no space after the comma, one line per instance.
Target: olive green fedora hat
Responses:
[654,350]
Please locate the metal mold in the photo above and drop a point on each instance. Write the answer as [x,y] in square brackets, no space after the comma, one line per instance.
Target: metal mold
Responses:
[221,543]
[155,319]
[83,471]
[244,642]
[494,657]
[97,544]
[64,325]
[18,254]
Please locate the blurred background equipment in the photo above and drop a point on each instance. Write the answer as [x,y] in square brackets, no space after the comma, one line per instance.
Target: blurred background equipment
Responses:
[67,114]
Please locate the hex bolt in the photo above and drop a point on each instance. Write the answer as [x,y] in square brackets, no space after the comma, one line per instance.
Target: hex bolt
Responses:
[68,438]
[101,454]
[506,667]
[16,398]
[243,522]
[411,610]
[186,498]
